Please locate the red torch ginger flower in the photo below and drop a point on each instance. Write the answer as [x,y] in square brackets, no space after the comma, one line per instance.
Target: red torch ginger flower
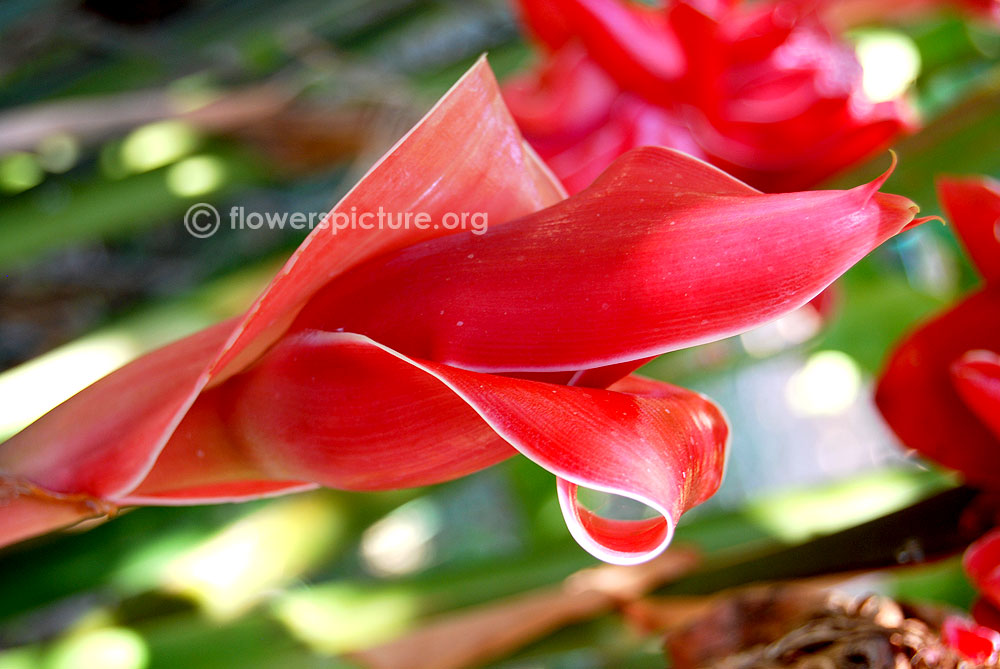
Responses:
[762,90]
[388,358]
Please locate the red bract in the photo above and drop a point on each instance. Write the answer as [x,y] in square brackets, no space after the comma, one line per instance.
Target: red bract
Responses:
[762,90]
[389,358]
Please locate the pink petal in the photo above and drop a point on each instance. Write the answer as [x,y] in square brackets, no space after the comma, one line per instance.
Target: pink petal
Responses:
[662,252]
[344,411]
[465,155]
[973,206]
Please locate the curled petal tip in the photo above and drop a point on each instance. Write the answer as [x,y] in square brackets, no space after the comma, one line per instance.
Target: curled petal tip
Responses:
[872,187]
[621,542]
[633,542]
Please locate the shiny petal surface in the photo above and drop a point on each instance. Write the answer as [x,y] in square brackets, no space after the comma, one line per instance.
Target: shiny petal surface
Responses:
[465,155]
[662,252]
[377,419]
[973,206]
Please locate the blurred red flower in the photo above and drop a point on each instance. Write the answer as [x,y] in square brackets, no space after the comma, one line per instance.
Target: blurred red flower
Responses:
[940,390]
[763,90]
[388,358]
[846,13]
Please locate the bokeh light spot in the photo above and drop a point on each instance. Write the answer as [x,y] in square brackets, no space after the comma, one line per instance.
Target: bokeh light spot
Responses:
[19,171]
[59,152]
[107,648]
[890,62]
[828,384]
[196,176]
[157,144]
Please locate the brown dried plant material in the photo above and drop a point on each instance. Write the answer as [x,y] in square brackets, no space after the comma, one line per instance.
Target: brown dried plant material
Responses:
[479,634]
[803,628]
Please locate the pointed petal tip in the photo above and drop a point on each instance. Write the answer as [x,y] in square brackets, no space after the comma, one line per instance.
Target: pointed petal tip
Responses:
[921,220]
[634,542]
[882,178]
[871,189]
